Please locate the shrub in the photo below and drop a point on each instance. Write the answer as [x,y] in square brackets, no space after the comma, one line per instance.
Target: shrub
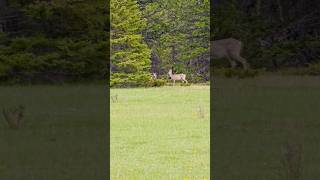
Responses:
[185,84]
[197,79]
[130,80]
[158,82]
[313,69]
[239,73]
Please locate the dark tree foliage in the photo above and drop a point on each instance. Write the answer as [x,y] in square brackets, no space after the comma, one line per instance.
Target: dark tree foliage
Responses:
[276,33]
[56,41]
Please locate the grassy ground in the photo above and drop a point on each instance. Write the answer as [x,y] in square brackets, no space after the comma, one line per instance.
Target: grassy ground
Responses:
[160,133]
[263,125]
[64,135]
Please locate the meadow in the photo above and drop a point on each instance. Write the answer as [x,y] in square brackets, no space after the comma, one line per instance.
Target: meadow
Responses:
[63,137]
[266,128]
[160,133]
[163,133]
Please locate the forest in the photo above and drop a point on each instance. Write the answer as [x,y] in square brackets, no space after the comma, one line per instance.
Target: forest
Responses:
[53,41]
[278,35]
[154,36]
[58,41]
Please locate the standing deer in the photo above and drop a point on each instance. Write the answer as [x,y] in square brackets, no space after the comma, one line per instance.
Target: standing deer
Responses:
[228,48]
[177,77]
[154,75]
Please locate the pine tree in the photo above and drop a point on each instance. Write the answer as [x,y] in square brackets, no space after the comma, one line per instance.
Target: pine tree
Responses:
[179,32]
[130,56]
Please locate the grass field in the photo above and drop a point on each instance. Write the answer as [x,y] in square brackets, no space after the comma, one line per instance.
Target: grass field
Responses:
[160,133]
[64,135]
[260,123]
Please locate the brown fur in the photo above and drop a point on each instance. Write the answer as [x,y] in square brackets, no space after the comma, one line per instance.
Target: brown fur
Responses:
[228,48]
[177,77]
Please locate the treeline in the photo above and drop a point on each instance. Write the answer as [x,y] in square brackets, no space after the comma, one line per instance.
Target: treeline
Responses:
[54,41]
[156,35]
[277,34]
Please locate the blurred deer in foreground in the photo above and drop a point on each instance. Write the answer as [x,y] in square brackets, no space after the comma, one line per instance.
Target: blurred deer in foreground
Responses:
[177,77]
[14,116]
[228,48]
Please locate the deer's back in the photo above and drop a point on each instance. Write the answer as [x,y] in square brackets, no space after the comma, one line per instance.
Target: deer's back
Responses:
[221,48]
[178,76]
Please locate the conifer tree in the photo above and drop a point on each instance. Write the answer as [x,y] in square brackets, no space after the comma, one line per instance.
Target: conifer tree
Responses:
[130,56]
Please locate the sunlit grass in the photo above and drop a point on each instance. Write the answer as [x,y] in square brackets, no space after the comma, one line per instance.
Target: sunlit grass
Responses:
[160,133]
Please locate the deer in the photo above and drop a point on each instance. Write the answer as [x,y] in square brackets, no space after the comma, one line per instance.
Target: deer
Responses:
[177,77]
[229,48]
[154,76]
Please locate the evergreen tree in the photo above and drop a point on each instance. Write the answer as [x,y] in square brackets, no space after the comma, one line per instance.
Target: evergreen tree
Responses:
[130,56]
[178,31]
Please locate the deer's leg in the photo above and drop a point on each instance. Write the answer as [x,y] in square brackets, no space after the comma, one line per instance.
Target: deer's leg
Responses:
[243,62]
[232,62]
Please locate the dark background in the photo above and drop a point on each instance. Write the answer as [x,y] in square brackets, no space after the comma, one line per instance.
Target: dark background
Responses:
[53,62]
[267,127]
[277,34]
[53,41]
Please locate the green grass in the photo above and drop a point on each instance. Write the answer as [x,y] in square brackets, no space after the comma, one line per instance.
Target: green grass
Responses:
[255,118]
[64,135]
[158,133]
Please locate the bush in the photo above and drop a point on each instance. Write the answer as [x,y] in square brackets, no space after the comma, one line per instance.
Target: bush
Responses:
[312,70]
[239,73]
[197,79]
[123,80]
[185,84]
[45,59]
[158,82]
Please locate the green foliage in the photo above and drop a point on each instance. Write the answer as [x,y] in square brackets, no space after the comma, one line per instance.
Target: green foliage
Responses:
[311,70]
[59,41]
[158,82]
[291,42]
[239,73]
[178,31]
[130,56]
[185,84]
[42,55]
[129,80]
